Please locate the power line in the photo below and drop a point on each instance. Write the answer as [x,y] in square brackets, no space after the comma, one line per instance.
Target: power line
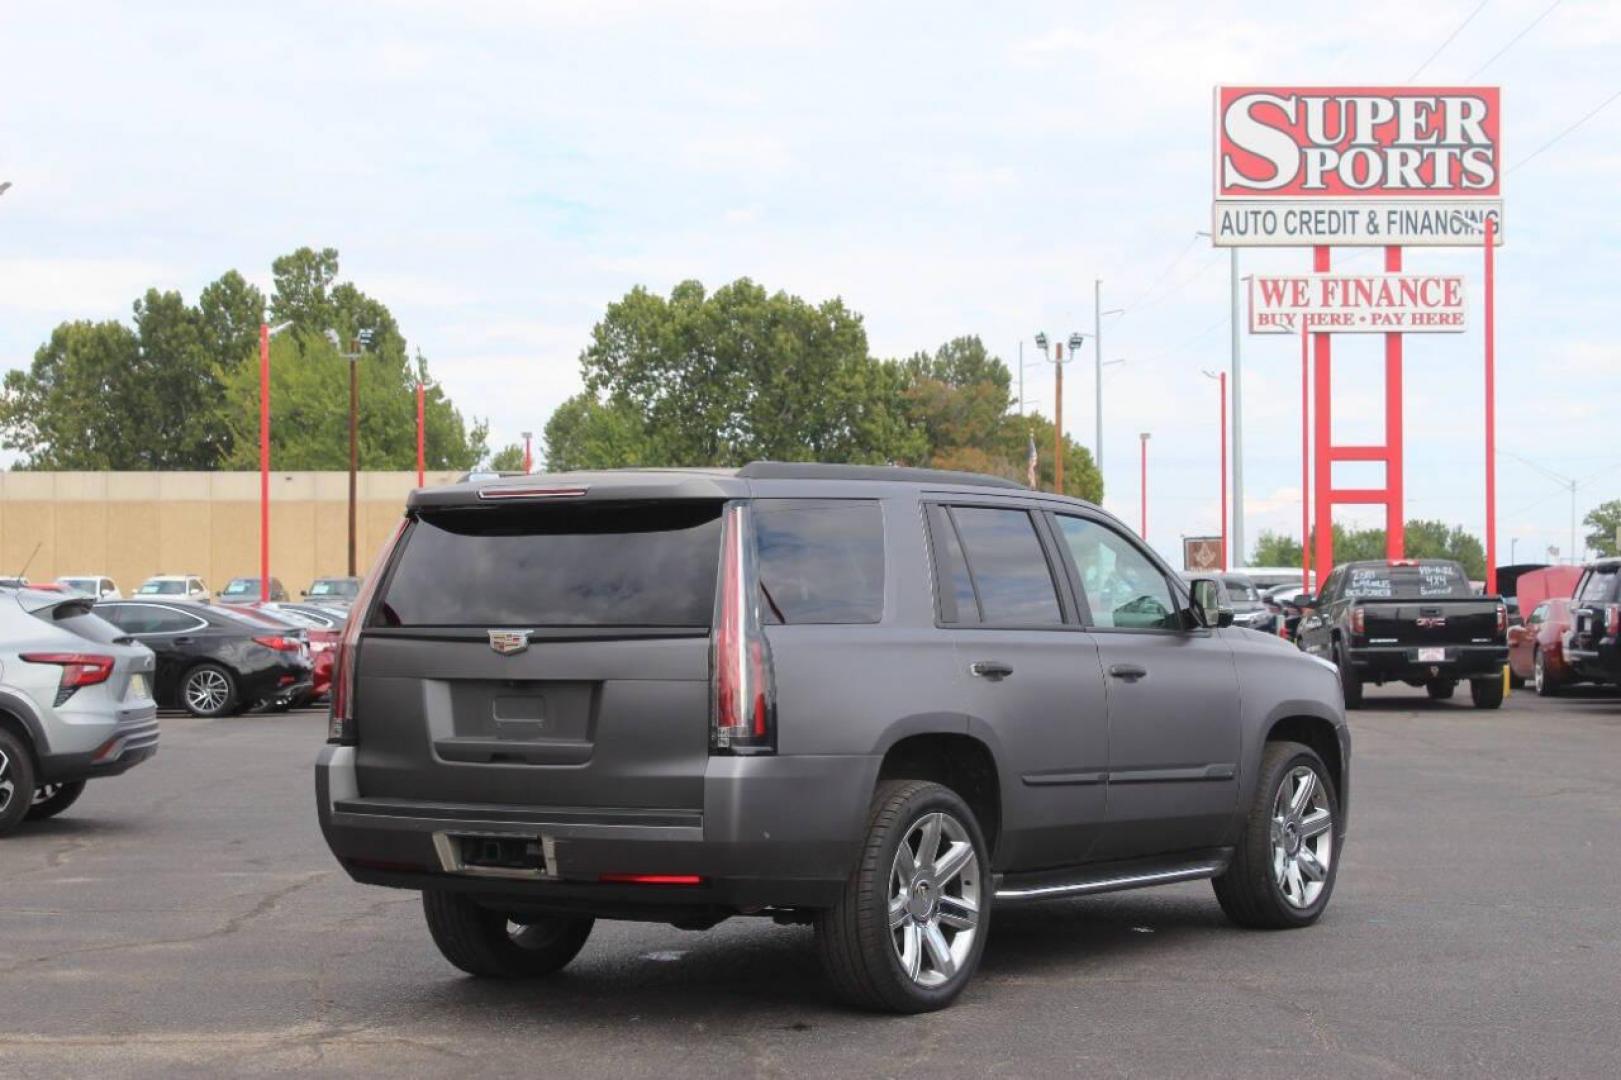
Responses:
[1513,41]
[1442,47]
[1594,112]
[1161,276]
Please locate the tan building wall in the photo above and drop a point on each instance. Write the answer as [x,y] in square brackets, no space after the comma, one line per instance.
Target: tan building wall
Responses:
[131,525]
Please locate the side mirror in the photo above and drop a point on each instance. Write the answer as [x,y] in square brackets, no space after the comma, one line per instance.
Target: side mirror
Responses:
[1208,606]
[1304,600]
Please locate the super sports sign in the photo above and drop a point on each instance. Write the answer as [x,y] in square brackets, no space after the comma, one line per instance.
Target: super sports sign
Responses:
[1301,166]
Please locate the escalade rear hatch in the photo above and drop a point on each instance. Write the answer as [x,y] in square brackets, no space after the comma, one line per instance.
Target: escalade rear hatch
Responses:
[549,652]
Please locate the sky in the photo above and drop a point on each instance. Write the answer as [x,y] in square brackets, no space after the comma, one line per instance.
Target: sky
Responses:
[498,171]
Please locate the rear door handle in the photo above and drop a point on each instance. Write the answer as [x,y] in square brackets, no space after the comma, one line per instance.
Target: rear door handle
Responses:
[993,670]
[1128,672]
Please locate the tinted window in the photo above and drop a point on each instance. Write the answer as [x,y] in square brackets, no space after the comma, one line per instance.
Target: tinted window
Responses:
[334,588]
[954,588]
[242,585]
[163,588]
[1596,589]
[1007,566]
[146,618]
[648,565]
[821,560]
[1241,588]
[1123,587]
[1378,582]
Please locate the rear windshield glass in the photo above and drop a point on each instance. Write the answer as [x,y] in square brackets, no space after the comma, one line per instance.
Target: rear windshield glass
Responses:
[1242,588]
[1596,590]
[645,566]
[821,560]
[1406,582]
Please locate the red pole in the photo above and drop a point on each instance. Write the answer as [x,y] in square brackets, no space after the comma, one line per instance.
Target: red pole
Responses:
[1491,410]
[1305,456]
[528,458]
[421,436]
[1323,422]
[1224,471]
[264,462]
[1395,518]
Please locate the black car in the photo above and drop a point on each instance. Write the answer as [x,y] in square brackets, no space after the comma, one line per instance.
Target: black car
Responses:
[212,662]
[1416,621]
[1594,648]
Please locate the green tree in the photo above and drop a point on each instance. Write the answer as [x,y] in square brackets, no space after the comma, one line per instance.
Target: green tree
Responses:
[231,311]
[303,288]
[584,433]
[1275,549]
[1605,522]
[1423,539]
[741,374]
[507,459]
[78,404]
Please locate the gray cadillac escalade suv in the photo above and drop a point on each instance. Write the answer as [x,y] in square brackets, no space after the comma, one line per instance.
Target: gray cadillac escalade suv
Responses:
[884,701]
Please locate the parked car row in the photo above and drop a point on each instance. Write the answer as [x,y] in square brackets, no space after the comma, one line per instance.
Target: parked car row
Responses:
[328,591]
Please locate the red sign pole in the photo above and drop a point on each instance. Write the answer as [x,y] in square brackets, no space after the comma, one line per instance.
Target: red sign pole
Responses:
[1395,520]
[1491,410]
[1223,380]
[1305,456]
[421,436]
[1324,423]
[264,462]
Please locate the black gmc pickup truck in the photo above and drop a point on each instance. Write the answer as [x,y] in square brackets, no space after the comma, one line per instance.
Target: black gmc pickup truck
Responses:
[1417,622]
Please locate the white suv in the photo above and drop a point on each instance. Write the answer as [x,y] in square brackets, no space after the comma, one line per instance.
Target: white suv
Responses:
[75,702]
[175,587]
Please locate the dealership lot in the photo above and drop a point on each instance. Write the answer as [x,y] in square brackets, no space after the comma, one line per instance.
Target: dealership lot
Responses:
[187,920]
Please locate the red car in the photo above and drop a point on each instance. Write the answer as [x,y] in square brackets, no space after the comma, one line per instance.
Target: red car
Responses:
[1536,650]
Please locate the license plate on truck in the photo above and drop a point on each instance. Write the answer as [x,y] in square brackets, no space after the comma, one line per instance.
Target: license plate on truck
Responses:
[1431,656]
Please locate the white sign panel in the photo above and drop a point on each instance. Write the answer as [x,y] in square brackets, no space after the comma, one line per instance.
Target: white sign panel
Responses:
[1303,166]
[1358,303]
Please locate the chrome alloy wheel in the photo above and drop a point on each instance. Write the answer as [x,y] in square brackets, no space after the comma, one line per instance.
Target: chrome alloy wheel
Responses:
[8,786]
[1302,837]
[46,791]
[934,898]
[207,690]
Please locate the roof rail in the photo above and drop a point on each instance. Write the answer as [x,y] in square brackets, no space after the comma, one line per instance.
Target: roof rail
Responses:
[810,470]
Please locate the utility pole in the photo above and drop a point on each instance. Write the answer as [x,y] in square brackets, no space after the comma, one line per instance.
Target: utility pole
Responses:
[1097,374]
[1143,532]
[528,459]
[1238,423]
[1058,421]
[356,347]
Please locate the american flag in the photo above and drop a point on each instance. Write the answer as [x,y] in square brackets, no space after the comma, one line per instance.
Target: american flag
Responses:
[1030,459]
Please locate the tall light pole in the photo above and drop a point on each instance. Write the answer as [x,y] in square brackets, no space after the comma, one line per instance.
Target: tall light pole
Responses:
[1075,342]
[1143,531]
[528,459]
[1097,375]
[1221,378]
[356,348]
[265,330]
[1237,366]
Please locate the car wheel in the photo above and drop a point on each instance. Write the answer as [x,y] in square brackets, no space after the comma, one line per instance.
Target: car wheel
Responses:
[1487,693]
[52,799]
[16,781]
[1350,681]
[209,691]
[908,932]
[1286,861]
[1441,689]
[1540,679]
[489,944]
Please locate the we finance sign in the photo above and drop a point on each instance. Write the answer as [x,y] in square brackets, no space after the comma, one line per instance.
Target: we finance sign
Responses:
[1358,303]
[1303,166]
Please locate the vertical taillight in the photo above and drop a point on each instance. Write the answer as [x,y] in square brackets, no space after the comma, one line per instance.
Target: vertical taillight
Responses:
[1359,621]
[743,703]
[1502,618]
[340,725]
[1612,620]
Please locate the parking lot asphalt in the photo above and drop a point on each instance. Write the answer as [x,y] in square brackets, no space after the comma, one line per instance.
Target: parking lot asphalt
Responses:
[187,920]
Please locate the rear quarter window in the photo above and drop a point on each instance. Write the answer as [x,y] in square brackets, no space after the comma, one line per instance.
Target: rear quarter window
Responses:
[641,565]
[821,560]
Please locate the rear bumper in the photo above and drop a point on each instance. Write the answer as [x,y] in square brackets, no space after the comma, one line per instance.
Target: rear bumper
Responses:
[1601,662]
[1402,663]
[773,832]
[124,745]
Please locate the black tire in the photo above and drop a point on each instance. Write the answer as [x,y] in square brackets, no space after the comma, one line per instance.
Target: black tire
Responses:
[52,799]
[1440,689]
[1487,693]
[16,781]
[1248,890]
[1350,681]
[215,705]
[1546,685]
[488,944]
[854,939]
[1516,682]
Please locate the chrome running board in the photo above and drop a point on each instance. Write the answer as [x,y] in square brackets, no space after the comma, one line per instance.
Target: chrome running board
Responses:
[1052,885]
